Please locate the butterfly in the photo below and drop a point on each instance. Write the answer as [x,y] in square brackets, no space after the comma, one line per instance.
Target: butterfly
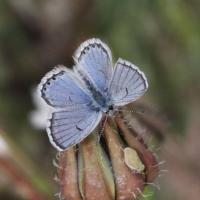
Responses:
[79,97]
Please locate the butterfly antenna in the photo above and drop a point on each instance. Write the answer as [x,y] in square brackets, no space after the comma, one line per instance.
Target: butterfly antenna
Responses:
[132,111]
[102,131]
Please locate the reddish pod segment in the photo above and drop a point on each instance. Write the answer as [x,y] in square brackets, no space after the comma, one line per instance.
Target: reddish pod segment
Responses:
[151,166]
[67,175]
[129,184]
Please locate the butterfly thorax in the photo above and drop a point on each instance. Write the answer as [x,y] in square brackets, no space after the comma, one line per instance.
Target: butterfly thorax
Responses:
[100,100]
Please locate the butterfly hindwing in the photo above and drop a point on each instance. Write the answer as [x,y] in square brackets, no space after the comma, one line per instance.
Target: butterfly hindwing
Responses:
[69,126]
[128,83]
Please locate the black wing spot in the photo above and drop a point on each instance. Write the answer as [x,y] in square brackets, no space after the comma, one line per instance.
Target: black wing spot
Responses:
[126,91]
[70,99]
[102,71]
[79,128]
[60,74]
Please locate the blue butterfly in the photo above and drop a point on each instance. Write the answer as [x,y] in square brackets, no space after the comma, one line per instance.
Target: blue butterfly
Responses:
[79,97]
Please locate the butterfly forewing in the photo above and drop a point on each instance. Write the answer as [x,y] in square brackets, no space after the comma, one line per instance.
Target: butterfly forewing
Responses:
[60,88]
[94,58]
[71,125]
[128,83]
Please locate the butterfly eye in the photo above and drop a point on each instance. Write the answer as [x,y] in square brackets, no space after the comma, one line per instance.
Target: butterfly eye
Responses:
[93,46]
[83,52]
[48,83]
[45,89]
[54,78]
[88,48]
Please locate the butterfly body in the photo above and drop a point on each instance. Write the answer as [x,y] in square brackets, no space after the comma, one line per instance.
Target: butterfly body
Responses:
[100,100]
[79,97]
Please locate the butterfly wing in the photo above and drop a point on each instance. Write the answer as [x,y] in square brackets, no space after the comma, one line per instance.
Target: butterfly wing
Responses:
[60,88]
[128,83]
[94,58]
[73,116]
[69,126]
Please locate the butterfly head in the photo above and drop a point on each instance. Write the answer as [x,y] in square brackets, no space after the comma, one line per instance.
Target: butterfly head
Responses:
[110,111]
